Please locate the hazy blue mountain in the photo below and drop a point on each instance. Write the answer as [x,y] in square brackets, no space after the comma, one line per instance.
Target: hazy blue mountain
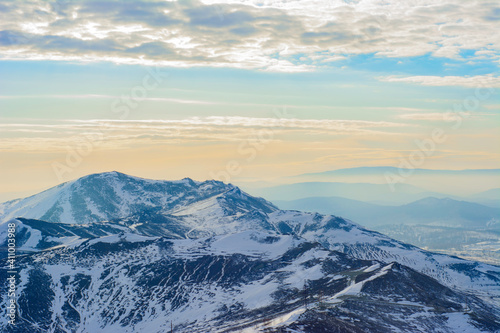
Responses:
[454,183]
[427,211]
[359,171]
[451,212]
[374,193]
[461,228]
[494,193]
[364,213]
[489,198]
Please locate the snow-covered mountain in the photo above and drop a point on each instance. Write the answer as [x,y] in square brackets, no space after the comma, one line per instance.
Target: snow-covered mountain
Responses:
[209,257]
[111,195]
[244,282]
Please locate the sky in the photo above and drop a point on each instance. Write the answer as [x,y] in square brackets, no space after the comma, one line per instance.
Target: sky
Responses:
[244,90]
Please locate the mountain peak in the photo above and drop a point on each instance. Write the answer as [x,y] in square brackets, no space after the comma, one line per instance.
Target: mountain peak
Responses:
[437,201]
[103,196]
[108,174]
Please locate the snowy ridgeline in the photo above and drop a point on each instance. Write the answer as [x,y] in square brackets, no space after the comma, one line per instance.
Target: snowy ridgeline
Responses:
[119,253]
[249,281]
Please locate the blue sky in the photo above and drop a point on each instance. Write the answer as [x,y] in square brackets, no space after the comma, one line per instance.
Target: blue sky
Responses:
[330,84]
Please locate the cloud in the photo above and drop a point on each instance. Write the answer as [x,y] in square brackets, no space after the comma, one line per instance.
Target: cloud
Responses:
[437,116]
[96,96]
[235,121]
[216,17]
[479,81]
[252,34]
[494,107]
[422,116]
[108,132]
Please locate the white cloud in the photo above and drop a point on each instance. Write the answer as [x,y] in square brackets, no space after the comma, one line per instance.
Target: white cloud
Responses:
[54,134]
[479,81]
[422,116]
[234,121]
[436,116]
[272,35]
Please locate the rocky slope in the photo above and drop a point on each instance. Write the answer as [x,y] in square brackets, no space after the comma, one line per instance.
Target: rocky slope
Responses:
[206,256]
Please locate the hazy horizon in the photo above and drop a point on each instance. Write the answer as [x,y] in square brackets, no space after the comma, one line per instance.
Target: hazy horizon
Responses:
[290,180]
[243,92]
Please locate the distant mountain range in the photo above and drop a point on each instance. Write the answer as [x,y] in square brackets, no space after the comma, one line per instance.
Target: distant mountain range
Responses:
[381,194]
[126,254]
[490,197]
[454,183]
[454,226]
[430,211]
[367,192]
[377,170]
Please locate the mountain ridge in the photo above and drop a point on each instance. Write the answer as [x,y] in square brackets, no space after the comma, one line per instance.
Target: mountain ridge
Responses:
[185,252]
[231,283]
[103,196]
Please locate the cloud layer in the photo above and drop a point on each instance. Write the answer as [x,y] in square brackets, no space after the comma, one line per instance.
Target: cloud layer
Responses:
[56,135]
[252,34]
[485,81]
